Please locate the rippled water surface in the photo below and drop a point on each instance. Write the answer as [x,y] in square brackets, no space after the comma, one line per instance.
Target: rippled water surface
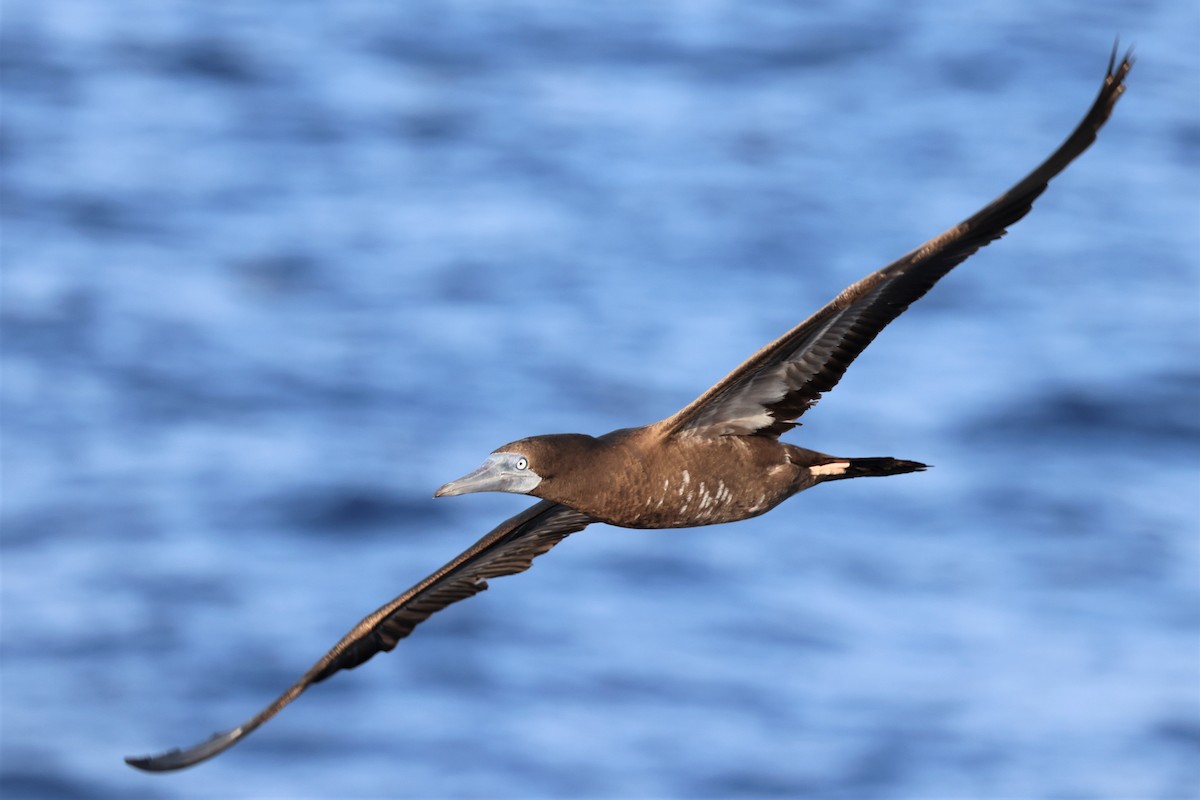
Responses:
[273,272]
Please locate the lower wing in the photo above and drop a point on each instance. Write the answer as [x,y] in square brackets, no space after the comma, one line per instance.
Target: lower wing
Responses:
[507,550]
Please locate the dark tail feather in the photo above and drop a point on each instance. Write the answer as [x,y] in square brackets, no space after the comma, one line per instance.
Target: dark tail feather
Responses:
[875,468]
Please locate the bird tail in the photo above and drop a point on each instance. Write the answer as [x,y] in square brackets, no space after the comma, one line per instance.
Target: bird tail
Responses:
[837,469]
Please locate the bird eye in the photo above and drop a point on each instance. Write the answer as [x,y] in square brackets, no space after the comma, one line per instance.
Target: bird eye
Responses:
[522,463]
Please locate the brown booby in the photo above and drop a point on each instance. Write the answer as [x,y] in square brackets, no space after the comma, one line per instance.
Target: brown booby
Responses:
[717,460]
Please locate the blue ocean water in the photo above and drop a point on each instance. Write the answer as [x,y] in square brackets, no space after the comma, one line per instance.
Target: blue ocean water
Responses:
[274,272]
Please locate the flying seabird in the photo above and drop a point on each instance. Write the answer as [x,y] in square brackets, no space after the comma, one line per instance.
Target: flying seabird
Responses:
[717,460]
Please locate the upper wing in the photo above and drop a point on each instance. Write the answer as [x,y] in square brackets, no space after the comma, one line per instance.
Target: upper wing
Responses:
[508,549]
[767,393]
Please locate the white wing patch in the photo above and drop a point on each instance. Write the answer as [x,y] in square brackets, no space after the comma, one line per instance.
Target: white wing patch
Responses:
[743,408]
[835,468]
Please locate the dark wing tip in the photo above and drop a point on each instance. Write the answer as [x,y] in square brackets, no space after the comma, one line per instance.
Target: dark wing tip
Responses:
[1126,60]
[180,758]
[1114,81]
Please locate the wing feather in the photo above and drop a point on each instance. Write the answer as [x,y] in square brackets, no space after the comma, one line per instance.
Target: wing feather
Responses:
[775,386]
[507,550]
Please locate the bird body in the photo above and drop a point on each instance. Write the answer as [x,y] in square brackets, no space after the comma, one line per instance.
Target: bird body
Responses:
[717,460]
[655,480]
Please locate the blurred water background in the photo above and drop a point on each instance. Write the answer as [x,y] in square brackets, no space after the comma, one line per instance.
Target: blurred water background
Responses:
[272,272]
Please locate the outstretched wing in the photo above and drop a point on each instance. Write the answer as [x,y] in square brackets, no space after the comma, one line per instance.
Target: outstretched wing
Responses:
[767,393]
[507,550]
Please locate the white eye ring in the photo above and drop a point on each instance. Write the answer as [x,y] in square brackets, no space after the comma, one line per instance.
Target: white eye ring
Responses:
[522,463]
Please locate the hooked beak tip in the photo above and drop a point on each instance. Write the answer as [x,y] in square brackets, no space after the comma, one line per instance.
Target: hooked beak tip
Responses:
[463,485]
[449,489]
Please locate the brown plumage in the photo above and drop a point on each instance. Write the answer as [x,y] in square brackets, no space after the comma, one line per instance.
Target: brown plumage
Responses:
[717,460]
